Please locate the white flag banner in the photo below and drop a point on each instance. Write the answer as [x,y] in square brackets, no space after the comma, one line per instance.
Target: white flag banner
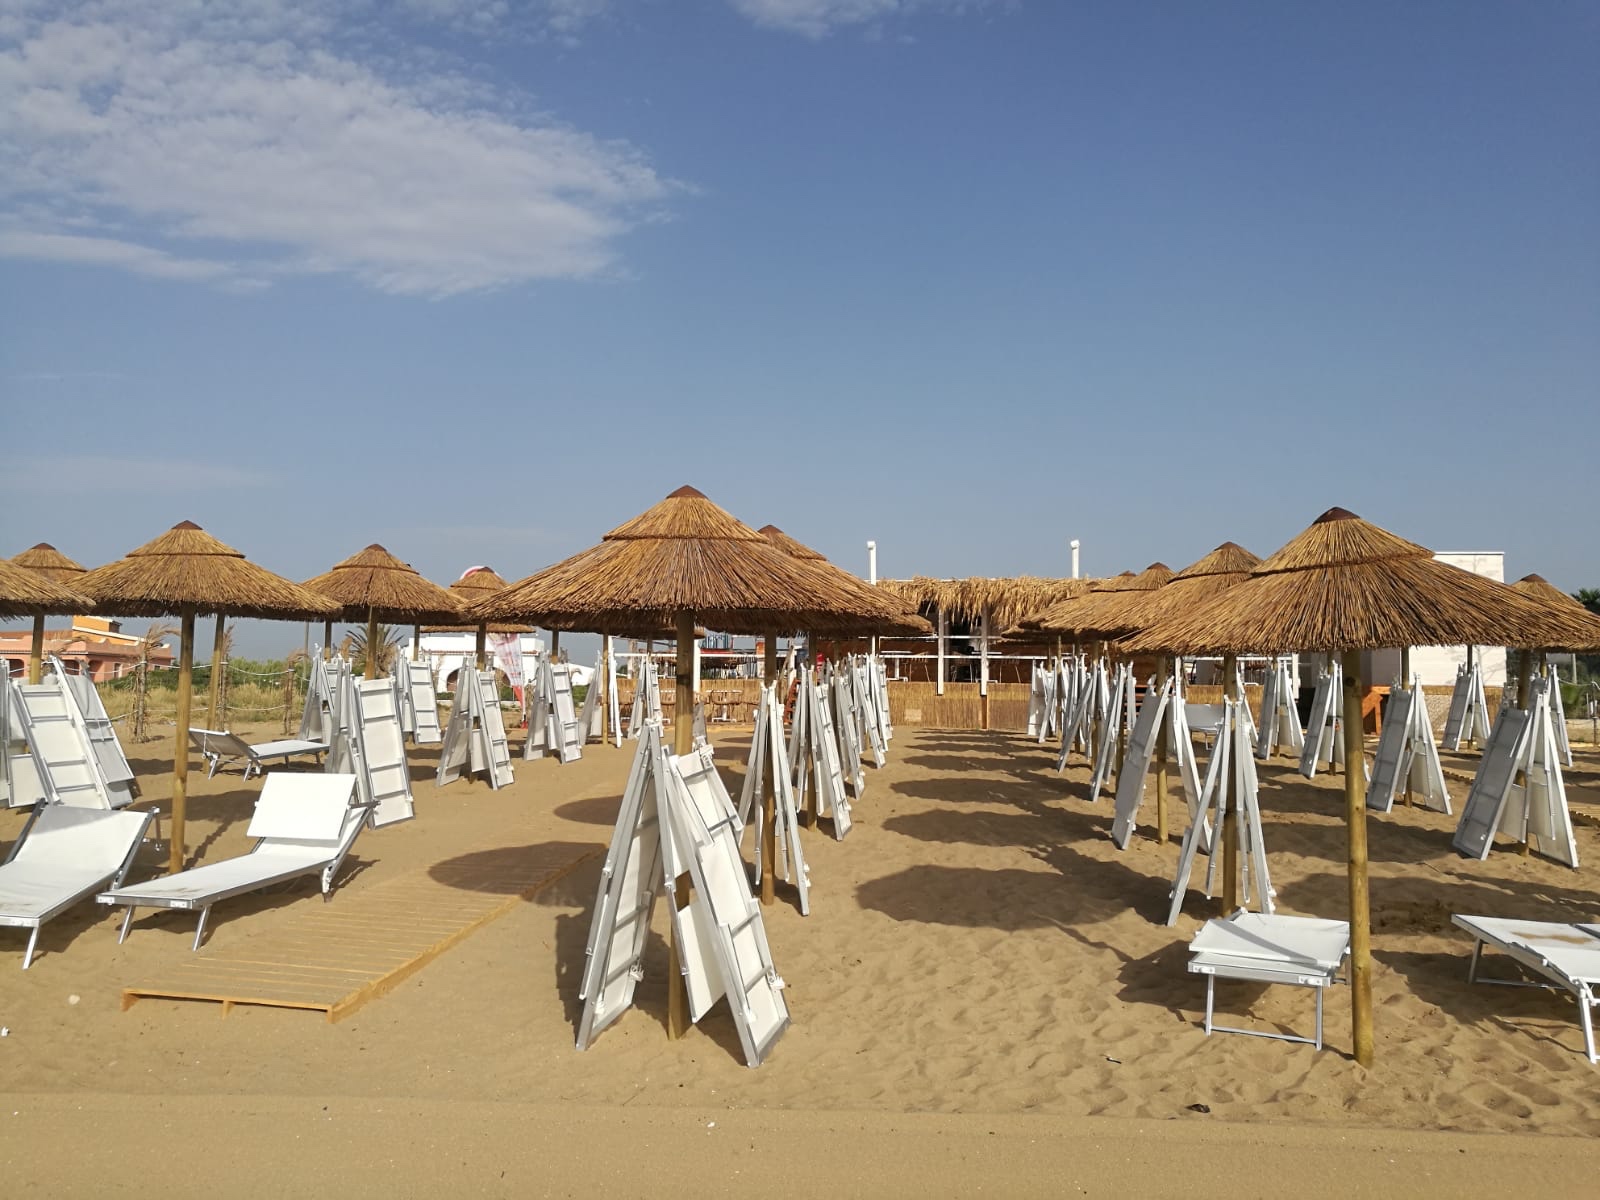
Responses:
[507,650]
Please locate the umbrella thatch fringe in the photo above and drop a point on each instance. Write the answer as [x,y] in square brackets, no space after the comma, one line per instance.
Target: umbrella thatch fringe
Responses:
[1006,599]
[1539,590]
[684,555]
[374,583]
[1345,584]
[25,593]
[188,568]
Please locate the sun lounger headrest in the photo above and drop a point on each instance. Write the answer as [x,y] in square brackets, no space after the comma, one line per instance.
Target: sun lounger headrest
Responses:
[82,835]
[306,808]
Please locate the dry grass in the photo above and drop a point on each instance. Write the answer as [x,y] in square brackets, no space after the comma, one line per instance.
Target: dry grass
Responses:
[1345,584]
[187,568]
[376,584]
[685,555]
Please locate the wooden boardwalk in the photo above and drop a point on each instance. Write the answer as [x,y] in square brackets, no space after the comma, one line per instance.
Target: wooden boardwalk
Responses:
[334,957]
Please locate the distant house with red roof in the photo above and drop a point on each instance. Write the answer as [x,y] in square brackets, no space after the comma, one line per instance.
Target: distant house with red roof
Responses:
[95,646]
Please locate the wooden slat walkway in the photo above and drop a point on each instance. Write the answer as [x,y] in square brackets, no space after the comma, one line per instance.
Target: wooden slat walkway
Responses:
[334,957]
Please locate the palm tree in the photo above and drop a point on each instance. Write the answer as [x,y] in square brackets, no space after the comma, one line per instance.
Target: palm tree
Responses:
[389,639]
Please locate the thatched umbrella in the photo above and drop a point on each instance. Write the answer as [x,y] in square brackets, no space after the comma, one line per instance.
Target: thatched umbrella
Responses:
[372,586]
[25,592]
[184,572]
[44,559]
[683,560]
[1226,566]
[1103,612]
[1341,587]
[1545,594]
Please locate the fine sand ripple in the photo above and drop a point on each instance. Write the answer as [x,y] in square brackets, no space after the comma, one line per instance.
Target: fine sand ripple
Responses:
[975,945]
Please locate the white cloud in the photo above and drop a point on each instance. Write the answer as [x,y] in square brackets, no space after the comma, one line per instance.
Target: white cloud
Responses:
[818,18]
[231,143]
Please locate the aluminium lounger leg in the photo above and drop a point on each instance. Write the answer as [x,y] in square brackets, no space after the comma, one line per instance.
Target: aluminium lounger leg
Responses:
[1586,1001]
[1211,993]
[1320,992]
[33,940]
[127,920]
[200,930]
[1477,955]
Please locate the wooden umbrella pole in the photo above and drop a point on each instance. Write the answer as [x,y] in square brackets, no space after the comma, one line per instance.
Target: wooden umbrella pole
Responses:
[327,640]
[808,800]
[1161,758]
[1405,682]
[180,754]
[215,693]
[36,651]
[1524,677]
[1230,802]
[769,781]
[1355,808]
[416,643]
[374,659]
[480,647]
[682,743]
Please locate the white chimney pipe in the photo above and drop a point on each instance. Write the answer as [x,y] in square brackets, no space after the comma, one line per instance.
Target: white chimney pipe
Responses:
[1074,544]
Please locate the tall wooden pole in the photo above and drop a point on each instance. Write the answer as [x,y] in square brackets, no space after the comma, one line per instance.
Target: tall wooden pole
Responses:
[374,657]
[416,643]
[1355,810]
[327,640]
[682,743]
[769,779]
[180,756]
[1161,757]
[480,648]
[36,651]
[1230,801]
[216,674]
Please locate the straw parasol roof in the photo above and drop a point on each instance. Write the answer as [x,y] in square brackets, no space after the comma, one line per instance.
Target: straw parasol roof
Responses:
[1103,612]
[1006,599]
[685,555]
[25,592]
[1542,592]
[1229,564]
[375,585]
[187,568]
[1346,584]
[476,583]
[896,617]
[50,562]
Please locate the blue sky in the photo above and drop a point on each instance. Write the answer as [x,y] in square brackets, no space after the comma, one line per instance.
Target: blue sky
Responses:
[480,281]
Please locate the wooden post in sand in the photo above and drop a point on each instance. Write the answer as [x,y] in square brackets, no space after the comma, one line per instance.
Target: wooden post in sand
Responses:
[682,743]
[374,658]
[327,640]
[36,651]
[180,759]
[1230,801]
[769,780]
[1161,758]
[1355,811]
[216,675]
[480,648]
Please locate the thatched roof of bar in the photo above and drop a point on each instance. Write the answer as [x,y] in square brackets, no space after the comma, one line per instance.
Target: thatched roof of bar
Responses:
[1226,566]
[1345,584]
[897,618]
[1102,612]
[476,583]
[1007,600]
[187,568]
[27,593]
[50,562]
[374,583]
[1541,591]
[684,555]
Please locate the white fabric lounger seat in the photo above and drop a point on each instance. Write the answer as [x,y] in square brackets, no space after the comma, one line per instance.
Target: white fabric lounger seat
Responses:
[1270,948]
[219,746]
[1568,955]
[65,855]
[305,825]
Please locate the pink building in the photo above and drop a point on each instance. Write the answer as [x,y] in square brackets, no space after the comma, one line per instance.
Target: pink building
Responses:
[94,645]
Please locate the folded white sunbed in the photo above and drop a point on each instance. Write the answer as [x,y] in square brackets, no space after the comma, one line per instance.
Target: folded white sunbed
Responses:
[1566,954]
[1270,948]
[305,824]
[65,854]
[219,746]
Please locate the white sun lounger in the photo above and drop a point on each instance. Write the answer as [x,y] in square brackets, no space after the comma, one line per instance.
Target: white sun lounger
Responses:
[1568,955]
[1270,948]
[65,854]
[305,824]
[220,746]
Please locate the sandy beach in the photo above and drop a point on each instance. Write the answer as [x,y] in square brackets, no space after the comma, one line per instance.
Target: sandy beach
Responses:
[981,969]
